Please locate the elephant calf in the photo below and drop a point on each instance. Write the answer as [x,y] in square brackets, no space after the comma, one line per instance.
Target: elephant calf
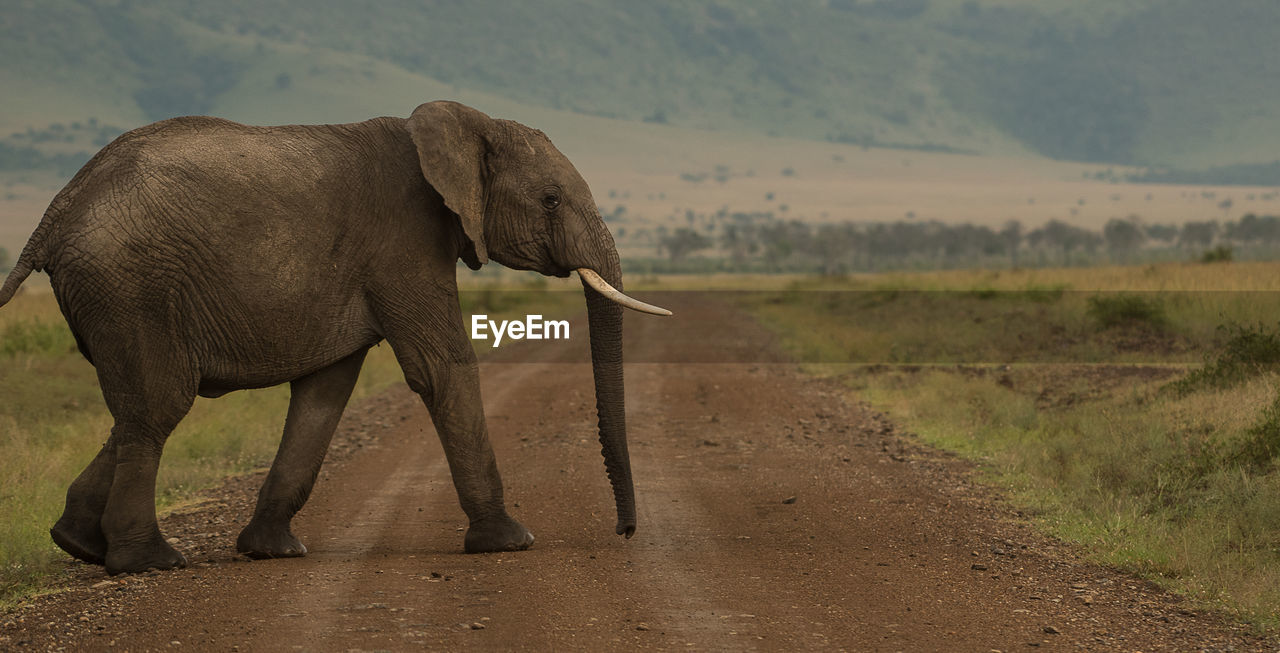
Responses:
[198,256]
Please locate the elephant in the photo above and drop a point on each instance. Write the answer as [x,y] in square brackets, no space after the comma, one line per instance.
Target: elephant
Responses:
[199,256]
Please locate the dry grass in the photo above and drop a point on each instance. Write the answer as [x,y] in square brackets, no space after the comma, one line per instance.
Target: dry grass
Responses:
[1179,486]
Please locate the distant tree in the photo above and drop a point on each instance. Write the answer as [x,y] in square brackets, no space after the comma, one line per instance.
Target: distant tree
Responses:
[1254,229]
[737,239]
[1165,233]
[1123,237]
[834,247]
[781,240]
[1198,235]
[682,242]
[1011,233]
[284,81]
[1065,239]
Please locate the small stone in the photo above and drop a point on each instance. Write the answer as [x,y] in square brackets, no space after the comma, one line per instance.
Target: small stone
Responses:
[477,626]
[1087,599]
[103,584]
[642,627]
[978,567]
[1051,630]
[173,540]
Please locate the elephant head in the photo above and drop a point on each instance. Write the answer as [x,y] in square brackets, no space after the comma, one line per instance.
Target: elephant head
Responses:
[521,203]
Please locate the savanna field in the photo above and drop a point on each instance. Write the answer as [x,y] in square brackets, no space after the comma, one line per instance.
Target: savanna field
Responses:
[1132,410]
[974,345]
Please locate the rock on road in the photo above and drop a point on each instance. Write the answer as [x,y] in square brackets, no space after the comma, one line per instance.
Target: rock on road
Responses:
[774,514]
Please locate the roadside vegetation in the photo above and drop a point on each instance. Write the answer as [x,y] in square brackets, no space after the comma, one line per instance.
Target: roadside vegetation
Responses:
[53,421]
[1135,411]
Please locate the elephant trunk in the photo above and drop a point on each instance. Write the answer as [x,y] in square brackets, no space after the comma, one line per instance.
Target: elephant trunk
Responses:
[604,317]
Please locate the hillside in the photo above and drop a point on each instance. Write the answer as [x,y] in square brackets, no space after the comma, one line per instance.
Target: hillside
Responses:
[1171,82]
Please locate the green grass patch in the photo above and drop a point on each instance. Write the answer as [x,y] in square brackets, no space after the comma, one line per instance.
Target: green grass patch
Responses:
[36,337]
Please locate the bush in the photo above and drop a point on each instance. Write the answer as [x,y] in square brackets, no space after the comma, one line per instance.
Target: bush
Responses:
[1219,254]
[1260,444]
[1246,352]
[1126,310]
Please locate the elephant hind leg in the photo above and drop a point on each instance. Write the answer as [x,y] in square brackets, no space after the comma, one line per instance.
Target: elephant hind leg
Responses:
[109,515]
[79,530]
[148,388]
[315,407]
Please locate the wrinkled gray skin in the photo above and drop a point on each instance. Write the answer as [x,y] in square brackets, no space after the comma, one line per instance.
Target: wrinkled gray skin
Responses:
[200,256]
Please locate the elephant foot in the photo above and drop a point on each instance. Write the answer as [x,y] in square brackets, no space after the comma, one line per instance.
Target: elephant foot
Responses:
[260,542]
[155,553]
[497,534]
[82,538]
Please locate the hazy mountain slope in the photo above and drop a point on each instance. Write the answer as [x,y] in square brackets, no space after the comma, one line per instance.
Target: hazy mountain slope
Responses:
[1170,81]
[1179,82]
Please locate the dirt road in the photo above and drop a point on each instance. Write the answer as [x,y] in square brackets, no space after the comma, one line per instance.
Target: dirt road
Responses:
[773,514]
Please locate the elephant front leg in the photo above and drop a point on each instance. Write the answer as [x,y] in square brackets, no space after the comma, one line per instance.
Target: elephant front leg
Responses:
[316,403]
[452,395]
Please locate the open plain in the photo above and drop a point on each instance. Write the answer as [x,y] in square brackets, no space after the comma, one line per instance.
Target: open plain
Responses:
[775,514]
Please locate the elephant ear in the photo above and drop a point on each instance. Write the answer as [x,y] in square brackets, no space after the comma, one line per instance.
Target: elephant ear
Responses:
[453,141]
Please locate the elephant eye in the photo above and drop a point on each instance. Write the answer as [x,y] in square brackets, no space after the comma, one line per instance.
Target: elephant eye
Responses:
[550,201]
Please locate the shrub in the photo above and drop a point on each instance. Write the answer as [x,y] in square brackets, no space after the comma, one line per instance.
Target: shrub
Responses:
[1245,352]
[1261,443]
[1219,254]
[1126,310]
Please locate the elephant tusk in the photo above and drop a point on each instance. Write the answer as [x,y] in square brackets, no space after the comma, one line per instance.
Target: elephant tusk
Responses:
[613,294]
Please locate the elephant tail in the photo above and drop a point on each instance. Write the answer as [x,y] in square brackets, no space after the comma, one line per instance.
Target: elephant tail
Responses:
[34,257]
